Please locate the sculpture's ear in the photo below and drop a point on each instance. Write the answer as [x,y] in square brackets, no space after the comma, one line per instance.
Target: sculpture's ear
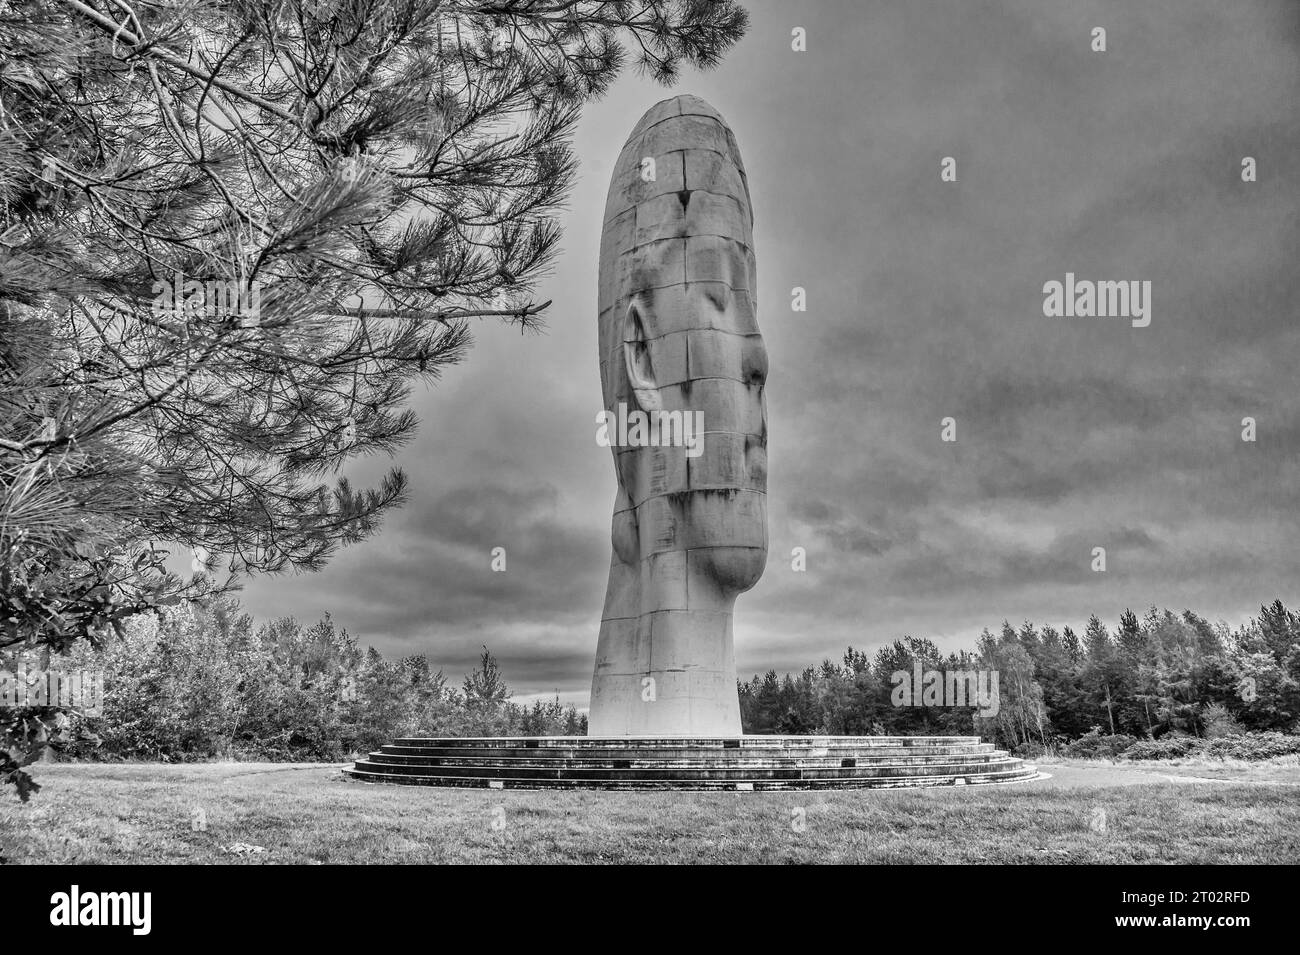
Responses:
[636,355]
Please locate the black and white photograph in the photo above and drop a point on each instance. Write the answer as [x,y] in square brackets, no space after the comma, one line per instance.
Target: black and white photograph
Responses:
[651,432]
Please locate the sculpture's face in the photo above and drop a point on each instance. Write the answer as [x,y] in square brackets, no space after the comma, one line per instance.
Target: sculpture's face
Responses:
[724,476]
[679,335]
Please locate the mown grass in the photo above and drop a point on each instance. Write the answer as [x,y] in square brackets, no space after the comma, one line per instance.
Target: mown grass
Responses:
[1279,769]
[146,813]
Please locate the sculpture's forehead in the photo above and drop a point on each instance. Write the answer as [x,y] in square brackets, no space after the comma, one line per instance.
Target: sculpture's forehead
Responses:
[680,145]
[678,210]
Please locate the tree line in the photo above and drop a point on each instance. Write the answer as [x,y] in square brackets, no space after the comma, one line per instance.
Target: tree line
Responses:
[198,682]
[203,680]
[1153,676]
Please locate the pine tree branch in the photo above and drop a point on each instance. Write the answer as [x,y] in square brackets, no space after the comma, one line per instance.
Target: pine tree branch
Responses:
[443,317]
[145,49]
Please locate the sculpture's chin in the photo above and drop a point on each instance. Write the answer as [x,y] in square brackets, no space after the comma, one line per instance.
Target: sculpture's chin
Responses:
[735,569]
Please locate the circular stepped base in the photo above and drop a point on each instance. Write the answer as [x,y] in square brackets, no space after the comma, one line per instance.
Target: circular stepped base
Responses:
[706,763]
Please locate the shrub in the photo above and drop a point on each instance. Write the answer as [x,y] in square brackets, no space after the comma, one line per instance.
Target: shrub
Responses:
[1253,746]
[1241,746]
[1173,746]
[1218,721]
[1093,745]
[1030,749]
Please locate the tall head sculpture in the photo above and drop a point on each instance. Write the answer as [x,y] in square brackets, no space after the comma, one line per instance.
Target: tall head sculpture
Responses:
[679,333]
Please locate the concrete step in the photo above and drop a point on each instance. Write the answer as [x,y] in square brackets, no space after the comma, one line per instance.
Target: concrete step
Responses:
[675,742]
[1019,774]
[676,762]
[751,762]
[693,772]
[810,752]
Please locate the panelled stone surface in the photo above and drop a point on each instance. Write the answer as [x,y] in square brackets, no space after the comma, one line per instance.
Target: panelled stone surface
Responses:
[748,763]
[678,332]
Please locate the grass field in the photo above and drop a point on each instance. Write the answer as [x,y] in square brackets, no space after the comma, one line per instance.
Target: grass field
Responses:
[202,813]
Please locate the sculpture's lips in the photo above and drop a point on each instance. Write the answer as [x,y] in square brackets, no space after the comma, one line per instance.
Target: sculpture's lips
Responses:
[756,467]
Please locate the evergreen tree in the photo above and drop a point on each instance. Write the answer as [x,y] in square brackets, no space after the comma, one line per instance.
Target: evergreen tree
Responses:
[235,236]
[1102,672]
[1072,647]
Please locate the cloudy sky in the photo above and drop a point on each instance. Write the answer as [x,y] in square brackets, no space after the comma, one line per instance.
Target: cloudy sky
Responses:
[925,300]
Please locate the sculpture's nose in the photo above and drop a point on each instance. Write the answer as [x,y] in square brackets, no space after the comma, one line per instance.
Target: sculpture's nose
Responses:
[753,366]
